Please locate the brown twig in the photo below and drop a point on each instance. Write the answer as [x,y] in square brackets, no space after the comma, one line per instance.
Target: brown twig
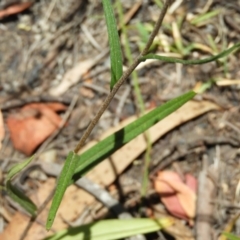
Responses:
[122,79]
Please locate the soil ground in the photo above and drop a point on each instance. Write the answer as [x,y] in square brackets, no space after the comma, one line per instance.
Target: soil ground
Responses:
[41,44]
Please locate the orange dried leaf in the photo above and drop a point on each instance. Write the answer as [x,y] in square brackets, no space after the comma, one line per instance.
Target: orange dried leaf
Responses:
[33,124]
[56,106]
[14,9]
[178,197]
[48,110]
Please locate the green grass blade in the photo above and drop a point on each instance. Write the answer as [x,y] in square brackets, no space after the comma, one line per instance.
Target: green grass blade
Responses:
[18,167]
[114,43]
[109,145]
[143,32]
[206,16]
[62,184]
[231,236]
[191,62]
[112,229]
[159,3]
[21,198]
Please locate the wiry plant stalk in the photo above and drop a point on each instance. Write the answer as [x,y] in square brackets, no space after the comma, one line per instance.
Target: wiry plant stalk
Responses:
[135,63]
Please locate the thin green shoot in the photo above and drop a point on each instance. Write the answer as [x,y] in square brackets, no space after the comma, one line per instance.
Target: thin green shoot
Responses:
[137,91]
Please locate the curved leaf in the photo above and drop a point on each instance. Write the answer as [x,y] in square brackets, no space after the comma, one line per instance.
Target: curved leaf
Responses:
[18,167]
[190,62]
[21,198]
[112,229]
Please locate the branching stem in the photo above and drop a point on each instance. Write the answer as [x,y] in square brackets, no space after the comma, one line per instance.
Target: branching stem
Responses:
[122,79]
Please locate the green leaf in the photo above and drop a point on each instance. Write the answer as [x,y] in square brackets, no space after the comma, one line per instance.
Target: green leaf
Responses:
[114,43]
[143,32]
[90,158]
[206,16]
[191,62]
[62,184]
[112,229]
[159,3]
[18,167]
[109,145]
[231,236]
[21,198]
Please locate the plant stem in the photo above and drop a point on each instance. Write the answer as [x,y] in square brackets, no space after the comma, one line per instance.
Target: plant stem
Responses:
[139,98]
[122,79]
[156,27]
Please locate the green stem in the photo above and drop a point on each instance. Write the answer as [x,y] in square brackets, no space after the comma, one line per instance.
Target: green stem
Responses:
[125,75]
[138,95]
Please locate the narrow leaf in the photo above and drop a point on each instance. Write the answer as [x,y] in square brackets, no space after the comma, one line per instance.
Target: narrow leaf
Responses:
[231,236]
[206,16]
[109,145]
[62,184]
[21,198]
[79,165]
[18,167]
[191,62]
[112,229]
[114,43]
[143,32]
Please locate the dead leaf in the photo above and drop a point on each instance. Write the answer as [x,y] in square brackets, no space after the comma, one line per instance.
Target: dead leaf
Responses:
[178,197]
[86,92]
[2,131]
[227,82]
[74,75]
[33,124]
[14,9]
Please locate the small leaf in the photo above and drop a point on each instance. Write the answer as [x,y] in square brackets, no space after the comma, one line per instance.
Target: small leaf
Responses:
[231,236]
[115,47]
[206,16]
[112,229]
[21,198]
[62,184]
[191,62]
[109,145]
[18,167]
[143,32]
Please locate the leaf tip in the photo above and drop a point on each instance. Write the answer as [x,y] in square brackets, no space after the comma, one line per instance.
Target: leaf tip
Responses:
[49,224]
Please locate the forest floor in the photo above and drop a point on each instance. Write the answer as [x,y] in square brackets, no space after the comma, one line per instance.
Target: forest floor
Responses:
[55,71]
